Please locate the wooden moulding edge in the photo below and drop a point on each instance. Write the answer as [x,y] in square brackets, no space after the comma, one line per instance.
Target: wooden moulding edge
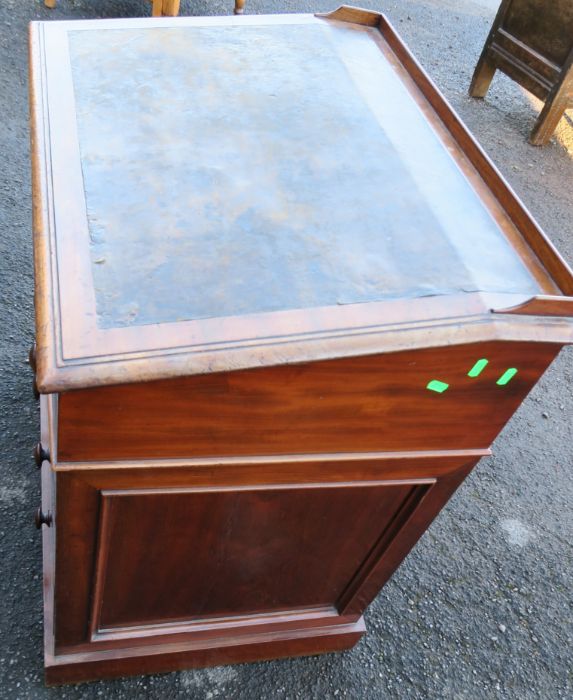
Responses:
[491,327]
[46,322]
[210,462]
[541,305]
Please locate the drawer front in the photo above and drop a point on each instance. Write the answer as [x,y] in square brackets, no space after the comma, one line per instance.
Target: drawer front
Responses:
[442,398]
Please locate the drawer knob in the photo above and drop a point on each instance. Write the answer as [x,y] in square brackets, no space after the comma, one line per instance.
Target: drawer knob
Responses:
[32,363]
[32,356]
[41,518]
[41,454]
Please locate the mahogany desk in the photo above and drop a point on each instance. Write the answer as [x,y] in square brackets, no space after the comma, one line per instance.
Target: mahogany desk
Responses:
[284,305]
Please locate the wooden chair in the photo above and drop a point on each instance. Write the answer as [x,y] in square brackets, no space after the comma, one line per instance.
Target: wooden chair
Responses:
[531,41]
[167,8]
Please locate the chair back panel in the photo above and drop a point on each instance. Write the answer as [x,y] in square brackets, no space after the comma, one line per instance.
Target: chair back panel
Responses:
[544,25]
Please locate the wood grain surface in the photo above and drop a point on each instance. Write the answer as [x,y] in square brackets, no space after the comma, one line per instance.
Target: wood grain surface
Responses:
[235,496]
[238,551]
[351,405]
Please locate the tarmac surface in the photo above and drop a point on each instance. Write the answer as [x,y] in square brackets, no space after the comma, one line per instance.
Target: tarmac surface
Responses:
[482,608]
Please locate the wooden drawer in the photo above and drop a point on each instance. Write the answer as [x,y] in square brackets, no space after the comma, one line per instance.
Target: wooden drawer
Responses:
[377,403]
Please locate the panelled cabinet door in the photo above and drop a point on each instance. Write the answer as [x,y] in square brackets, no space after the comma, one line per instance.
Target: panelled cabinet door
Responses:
[194,554]
[149,559]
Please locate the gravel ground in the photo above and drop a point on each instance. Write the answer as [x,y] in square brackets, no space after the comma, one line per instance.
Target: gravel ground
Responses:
[482,608]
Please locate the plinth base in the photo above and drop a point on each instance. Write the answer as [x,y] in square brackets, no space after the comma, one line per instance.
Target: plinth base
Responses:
[160,658]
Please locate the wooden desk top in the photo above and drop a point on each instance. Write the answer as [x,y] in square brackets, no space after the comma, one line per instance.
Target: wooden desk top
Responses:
[219,193]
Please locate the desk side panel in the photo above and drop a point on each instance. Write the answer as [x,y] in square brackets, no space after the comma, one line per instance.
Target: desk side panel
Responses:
[156,555]
[377,403]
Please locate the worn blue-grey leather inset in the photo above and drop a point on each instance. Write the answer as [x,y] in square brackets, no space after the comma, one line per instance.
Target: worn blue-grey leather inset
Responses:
[241,169]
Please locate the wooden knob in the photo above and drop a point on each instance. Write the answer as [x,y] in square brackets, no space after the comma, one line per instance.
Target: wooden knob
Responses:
[41,454]
[32,363]
[32,356]
[41,518]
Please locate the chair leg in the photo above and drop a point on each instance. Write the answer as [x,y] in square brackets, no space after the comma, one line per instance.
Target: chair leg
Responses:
[482,76]
[50,3]
[547,121]
[239,7]
[156,8]
[171,8]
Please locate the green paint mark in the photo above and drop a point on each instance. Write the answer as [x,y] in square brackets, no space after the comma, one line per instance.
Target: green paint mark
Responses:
[437,385]
[507,376]
[478,368]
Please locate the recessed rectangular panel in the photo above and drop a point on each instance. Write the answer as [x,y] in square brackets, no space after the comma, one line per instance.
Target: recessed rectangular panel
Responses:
[189,555]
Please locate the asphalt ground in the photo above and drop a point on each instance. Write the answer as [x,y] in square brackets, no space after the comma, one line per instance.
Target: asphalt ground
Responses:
[482,607]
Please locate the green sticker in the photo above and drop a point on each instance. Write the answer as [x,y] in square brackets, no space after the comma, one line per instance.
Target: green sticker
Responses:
[477,369]
[507,376]
[437,385]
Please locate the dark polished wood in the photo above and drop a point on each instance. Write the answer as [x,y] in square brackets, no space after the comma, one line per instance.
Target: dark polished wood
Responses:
[155,557]
[542,306]
[382,402]
[267,357]
[263,549]
[82,554]
[531,41]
